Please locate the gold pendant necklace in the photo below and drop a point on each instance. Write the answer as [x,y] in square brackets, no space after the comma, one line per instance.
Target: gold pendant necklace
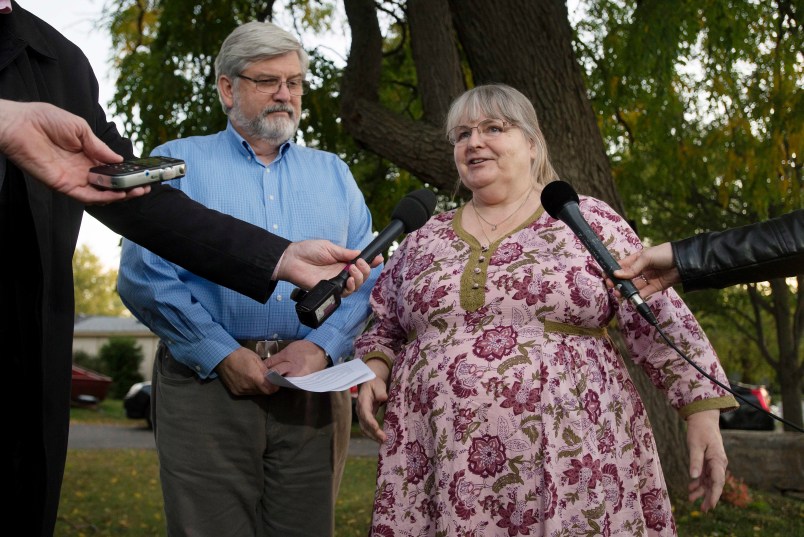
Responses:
[483,247]
[494,226]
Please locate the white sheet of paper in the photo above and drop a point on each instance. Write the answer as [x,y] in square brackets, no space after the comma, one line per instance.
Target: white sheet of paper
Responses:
[332,379]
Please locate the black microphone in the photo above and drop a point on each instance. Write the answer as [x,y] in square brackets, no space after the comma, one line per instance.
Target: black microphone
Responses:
[313,307]
[560,201]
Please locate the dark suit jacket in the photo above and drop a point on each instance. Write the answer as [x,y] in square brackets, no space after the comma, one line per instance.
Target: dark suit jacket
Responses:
[38,231]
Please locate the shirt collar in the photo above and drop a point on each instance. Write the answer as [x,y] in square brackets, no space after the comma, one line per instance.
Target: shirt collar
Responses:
[244,148]
[20,29]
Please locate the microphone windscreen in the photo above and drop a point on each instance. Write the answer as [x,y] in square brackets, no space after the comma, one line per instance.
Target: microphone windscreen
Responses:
[557,194]
[415,209]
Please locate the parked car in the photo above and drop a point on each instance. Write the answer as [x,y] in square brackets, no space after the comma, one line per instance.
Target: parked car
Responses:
[137,402]
[747,417]
[88,387]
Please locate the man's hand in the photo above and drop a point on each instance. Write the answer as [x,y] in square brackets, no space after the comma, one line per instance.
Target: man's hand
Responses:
[58,148]
[306,263]
[299,358]
[651,270]
[243,373]
[707,458]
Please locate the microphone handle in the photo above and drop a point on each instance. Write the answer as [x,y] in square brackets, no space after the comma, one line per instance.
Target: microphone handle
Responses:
[573,218]
[382,241]
[340,279]
[377,246]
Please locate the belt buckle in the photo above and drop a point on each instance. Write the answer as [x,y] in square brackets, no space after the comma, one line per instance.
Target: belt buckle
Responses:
[267,348]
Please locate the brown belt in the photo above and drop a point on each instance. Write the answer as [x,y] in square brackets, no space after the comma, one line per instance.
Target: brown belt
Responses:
[265,347]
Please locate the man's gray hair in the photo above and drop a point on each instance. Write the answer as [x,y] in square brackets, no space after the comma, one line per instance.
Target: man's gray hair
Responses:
[253,42]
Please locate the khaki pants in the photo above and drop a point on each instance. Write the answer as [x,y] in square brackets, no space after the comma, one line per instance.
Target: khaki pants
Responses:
[260,466]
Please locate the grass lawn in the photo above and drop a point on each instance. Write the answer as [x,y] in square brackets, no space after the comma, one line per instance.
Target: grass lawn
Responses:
[115,492]
[108,411]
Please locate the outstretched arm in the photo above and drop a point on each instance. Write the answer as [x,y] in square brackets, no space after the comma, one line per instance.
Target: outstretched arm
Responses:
[57,148]
[308,262]
[714,260]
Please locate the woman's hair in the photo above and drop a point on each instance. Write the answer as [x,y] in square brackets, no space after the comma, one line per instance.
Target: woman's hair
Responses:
[504,102]
[252,42]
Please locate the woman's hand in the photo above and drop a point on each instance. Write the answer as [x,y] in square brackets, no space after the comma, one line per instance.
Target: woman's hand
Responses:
[372,395]
[708,459]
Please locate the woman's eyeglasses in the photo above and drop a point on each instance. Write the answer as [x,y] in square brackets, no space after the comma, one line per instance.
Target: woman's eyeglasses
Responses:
[487,129]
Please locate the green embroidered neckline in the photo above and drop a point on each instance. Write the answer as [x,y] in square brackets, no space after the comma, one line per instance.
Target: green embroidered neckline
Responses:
[473,279]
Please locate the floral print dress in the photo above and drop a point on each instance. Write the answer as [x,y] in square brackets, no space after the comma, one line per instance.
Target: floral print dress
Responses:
[510,412]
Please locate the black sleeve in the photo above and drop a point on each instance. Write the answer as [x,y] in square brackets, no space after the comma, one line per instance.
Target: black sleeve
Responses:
[213,245]
[753,253]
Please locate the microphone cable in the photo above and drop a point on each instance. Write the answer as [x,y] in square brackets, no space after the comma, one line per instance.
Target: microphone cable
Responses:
[717,382]
[561,202]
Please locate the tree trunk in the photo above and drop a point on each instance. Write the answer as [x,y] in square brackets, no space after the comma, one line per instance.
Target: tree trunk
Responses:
[788,336]
[522,43]
[528,45]
[435,53]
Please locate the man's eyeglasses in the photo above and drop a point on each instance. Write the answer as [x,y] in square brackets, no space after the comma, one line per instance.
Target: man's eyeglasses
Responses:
[272,84]
[487,129]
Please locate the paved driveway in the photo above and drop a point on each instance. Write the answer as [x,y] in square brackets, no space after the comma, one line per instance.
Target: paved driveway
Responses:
[87,436]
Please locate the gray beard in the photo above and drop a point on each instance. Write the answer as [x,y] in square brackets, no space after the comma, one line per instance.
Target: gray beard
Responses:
[275,131]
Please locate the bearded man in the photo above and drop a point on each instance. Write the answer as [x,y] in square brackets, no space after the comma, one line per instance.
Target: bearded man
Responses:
[237,456]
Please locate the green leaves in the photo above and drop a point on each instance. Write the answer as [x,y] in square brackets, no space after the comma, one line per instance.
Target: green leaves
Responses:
[700,103]
[95,287]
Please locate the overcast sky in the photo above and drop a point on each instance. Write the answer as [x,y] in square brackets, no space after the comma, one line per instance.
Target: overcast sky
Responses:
[76,20]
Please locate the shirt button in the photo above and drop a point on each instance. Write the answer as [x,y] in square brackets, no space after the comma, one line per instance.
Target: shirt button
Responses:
[271,197]
[275,336]
[279,298]
[475,286]
[276,226]
[481,259]
[477,270]
[198,368]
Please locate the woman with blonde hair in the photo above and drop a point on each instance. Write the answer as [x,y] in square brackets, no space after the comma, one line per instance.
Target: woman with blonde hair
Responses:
[509,411]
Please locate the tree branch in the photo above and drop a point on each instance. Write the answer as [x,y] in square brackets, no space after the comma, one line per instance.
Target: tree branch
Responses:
[419,147]
[757,304]
[435,54]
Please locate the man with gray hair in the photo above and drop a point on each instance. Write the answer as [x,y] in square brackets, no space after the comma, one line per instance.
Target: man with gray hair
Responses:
[239,457]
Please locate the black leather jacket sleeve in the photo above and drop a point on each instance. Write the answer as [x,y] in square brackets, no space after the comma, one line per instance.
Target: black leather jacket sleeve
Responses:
[753,253]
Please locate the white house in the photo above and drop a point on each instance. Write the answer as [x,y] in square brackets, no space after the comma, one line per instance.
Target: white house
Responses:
[91,332]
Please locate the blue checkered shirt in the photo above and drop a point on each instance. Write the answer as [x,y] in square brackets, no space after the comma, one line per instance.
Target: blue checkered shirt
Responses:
[303,194]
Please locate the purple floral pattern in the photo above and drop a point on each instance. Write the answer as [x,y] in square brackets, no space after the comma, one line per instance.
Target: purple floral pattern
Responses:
[486,456]
[495,343]
[499,427]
